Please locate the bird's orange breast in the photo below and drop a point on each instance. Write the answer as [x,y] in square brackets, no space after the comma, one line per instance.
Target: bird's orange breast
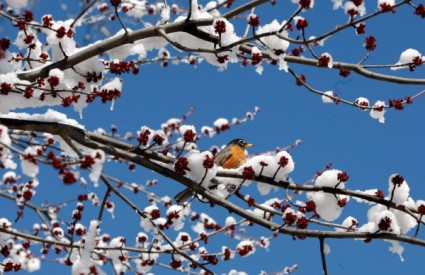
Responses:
[237,158]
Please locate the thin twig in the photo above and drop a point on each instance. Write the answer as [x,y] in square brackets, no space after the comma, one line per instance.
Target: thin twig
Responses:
[103,205]
[121,23]
[82,13]
[243,8]
[323,256]
[417,227]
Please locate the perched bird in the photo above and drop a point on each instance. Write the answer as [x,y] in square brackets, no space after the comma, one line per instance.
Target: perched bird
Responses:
[232,156]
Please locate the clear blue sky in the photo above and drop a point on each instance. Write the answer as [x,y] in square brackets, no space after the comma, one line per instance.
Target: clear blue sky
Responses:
[369,151]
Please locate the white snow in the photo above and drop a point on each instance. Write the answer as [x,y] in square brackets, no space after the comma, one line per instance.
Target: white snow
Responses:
[349,5]
[327,99]
[326,203]
[17,4]
[378,111]
[49,116]
[407,57]
[84,263]
[197,170]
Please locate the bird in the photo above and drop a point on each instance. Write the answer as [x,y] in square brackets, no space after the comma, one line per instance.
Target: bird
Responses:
[232,156]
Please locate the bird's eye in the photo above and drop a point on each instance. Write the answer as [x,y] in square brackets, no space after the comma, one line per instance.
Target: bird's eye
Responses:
[242,143]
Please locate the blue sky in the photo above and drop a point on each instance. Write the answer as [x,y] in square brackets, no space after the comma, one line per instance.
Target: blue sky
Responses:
[369,151]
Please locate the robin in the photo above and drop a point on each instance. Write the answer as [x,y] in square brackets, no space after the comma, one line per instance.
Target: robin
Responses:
[231,157]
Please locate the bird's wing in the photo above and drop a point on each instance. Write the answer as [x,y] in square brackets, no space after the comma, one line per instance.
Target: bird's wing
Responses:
[223,156]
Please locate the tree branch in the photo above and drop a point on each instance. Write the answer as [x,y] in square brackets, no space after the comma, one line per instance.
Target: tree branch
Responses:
[81,137]
[192,27]
[143,158]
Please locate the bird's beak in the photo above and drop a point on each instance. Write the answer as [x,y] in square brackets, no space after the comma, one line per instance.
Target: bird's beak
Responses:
[248,145]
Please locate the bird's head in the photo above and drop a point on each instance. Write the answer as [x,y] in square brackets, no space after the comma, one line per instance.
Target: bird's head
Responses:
[240,142]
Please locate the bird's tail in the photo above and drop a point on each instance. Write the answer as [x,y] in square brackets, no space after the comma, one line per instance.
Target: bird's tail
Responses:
[183,196]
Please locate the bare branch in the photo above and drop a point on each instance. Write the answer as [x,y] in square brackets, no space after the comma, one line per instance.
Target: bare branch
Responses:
[323,256]
[83,12]
[244,8]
